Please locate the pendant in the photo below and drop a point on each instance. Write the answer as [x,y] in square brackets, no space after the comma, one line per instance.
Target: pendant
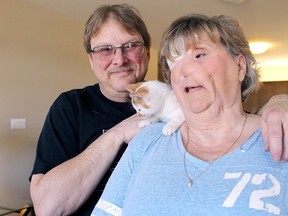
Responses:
[190,183]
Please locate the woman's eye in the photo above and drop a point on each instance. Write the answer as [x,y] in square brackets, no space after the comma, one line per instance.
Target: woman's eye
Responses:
[199,55]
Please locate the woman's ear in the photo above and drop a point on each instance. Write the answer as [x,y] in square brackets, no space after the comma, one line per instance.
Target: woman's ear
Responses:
[241,67]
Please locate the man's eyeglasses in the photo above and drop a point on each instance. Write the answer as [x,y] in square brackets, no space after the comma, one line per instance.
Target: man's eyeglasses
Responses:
[130,50]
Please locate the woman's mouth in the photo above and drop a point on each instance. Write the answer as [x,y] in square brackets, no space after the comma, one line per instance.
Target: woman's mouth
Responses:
[191,89]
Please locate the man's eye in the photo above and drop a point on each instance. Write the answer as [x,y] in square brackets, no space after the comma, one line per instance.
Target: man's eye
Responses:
[105,49]
[133,44]
[129,46]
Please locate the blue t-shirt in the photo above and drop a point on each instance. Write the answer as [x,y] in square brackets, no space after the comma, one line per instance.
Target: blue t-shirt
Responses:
[150,180]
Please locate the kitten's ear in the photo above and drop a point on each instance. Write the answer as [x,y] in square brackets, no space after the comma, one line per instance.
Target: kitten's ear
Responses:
[132,87]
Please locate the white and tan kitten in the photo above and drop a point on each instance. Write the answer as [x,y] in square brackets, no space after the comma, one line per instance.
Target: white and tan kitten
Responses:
[155,101]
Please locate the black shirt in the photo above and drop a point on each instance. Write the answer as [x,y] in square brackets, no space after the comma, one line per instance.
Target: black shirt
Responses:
[74,121]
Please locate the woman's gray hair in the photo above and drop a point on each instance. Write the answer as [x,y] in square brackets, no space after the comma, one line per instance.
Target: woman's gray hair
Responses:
[185,32]
[127,16]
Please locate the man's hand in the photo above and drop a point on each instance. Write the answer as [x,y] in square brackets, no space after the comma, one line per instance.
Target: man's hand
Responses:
[129,127]
[274,126]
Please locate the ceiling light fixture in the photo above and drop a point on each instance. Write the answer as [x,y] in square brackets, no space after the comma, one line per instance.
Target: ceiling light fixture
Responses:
[259,47]
[233,1]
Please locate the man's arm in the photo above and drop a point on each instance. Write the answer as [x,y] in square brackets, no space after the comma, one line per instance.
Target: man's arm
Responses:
[64,188]
[275,126]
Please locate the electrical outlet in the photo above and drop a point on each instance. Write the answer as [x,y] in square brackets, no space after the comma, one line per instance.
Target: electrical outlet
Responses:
[18,123]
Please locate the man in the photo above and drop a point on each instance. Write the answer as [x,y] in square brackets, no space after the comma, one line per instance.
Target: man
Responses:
[85,129]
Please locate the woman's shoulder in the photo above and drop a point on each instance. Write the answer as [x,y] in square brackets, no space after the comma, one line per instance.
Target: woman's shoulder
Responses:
[151,131]
[145,140]
[148,136]
[253,124]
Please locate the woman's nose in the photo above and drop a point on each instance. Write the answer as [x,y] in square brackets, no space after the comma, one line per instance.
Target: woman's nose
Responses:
[187,66]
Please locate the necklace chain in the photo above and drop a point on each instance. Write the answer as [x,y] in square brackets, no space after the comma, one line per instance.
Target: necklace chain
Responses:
[191,180]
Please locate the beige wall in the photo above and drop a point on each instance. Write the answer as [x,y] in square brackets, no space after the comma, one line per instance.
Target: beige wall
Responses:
[41,55]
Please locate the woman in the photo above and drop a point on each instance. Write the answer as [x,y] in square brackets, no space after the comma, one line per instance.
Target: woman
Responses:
[208,166]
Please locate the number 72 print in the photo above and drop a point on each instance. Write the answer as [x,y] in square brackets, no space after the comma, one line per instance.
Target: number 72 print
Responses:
[255,200]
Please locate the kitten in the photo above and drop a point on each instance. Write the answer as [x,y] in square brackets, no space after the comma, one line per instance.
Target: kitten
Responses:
[155,101]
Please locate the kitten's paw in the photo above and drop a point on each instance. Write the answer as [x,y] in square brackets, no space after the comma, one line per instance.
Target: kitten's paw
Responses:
[169,130]
[144,123]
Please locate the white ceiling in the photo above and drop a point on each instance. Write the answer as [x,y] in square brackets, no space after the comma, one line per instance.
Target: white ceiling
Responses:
[264,20]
